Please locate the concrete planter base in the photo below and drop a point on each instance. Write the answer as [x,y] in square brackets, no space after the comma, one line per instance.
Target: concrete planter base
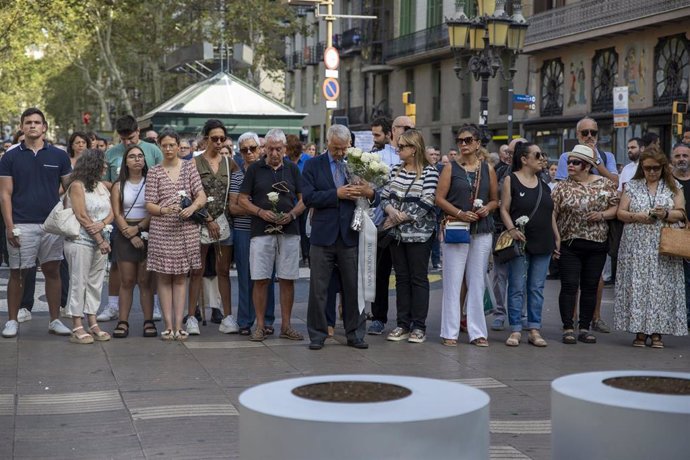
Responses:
[593,420]
[436,420]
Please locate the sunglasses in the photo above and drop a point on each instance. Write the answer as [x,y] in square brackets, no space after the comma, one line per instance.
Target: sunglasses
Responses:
[402,146]
[575,162]
[404,128]
[589,132]
[465,140]
[651,168]
[216,139]
[538,155]
[246,150]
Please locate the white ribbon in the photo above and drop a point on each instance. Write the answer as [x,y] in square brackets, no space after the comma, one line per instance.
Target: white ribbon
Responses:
[366,279]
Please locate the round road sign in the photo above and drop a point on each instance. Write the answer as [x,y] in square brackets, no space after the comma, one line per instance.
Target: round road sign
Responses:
[331,58]
[331,89]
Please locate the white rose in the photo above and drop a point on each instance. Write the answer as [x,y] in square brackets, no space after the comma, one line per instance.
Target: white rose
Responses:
[108,228]
[522,221]
[144,235]
[182,194]
[375,166]
[210,199]
[366,157]
[383,167]
[375,156]
[273,197]
[16,232]
[478,203]
[354,152]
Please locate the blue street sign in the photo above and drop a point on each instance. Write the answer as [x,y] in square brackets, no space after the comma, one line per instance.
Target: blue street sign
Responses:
[524,98]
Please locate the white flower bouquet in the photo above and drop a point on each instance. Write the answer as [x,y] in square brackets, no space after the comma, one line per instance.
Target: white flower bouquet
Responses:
[367,166]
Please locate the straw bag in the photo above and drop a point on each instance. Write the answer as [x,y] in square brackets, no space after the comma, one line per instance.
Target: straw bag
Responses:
[675,242]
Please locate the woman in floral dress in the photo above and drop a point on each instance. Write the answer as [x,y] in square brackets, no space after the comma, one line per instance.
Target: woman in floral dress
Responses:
[650,289]
[173,239]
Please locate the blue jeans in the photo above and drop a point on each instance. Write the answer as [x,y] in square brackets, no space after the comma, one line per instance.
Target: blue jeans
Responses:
[686,270]
[526,276]
[245,305]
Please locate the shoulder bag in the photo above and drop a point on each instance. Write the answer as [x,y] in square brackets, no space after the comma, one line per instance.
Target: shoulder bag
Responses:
[62,221]
[456,231]
[507,248]
[221,220]
[387,236]
[675,242]
[199,216]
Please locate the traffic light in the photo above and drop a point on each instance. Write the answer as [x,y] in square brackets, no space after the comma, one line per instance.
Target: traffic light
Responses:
[407,98]
[679,110]
[410,107]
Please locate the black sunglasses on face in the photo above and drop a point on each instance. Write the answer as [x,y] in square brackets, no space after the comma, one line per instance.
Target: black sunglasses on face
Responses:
[464,140]
[246,150]
[651,168]
[575,162]
[588,132]
[216,139]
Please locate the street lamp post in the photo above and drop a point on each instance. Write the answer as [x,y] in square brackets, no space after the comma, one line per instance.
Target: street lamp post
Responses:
[482,42]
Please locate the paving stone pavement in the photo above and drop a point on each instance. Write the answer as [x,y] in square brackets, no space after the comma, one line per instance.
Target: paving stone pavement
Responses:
[144,398]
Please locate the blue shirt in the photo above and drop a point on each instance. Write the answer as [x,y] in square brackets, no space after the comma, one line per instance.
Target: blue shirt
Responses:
[389,155]
[609,162]
[36,180]
[302,159]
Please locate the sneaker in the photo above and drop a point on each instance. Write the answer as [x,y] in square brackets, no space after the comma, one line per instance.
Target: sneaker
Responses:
[229,325]
[376,328]
[11,328]
[157,313]
[23,315]
[64,313]
[398,334]
[192,326]
[108,314]
[216,316]
[417,336]
[497,325]
[56,327]
[600,326]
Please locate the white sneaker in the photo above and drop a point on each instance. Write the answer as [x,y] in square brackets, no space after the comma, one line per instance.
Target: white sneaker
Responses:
[11,328]
[192,326]
[229,325]
[56,327]
[157,313]
[108,314]
[64,313]
[23,315]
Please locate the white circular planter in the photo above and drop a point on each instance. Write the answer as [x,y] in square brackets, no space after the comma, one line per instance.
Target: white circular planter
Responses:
[593,420]
[436,420]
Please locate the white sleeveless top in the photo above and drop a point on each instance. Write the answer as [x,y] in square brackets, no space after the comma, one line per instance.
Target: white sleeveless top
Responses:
[138,210]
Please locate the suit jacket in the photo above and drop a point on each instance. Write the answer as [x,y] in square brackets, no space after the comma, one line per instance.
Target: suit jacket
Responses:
[331,216]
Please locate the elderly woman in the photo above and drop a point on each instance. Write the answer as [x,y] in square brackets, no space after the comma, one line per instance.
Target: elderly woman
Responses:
[174,248]
[129,243]
[87,254]
[215,170]
[525,194]
[408,199]
[582,205]
[650,294]
[467,192]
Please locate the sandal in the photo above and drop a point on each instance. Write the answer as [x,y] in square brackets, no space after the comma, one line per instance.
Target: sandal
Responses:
[656,341]
[81,339]
[640,340]
[258,335]
[586,337]
[449,342]
[181,335]
[167,335]
[291,334]
[150,328]
[269,330]
[99,336]
[536,339]
[121,330]
[569,337]
[245,331]
[480,342]
[514,339]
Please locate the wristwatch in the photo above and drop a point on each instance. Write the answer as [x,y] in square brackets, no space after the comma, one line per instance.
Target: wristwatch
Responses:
[598,161]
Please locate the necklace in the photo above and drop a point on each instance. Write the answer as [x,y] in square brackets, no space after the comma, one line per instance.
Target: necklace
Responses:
[652,199]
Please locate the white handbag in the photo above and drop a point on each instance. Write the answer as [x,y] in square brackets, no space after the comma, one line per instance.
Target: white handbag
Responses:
[222,221]
[62,221]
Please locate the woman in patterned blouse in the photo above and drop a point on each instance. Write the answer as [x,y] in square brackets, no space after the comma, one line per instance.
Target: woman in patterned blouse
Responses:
[408,200]
[582,205]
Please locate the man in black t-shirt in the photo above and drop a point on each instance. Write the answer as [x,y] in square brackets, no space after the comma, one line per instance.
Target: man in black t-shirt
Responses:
[680,159]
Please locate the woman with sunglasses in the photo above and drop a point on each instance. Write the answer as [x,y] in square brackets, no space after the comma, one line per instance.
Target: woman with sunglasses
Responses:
[215,170]
[525,194]
[468,192]
[174,248]
[582,205]
[650,294]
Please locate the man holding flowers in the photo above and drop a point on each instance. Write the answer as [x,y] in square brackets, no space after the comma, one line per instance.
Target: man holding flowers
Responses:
[271,192]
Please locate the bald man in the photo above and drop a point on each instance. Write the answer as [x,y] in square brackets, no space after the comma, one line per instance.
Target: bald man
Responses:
[400,125]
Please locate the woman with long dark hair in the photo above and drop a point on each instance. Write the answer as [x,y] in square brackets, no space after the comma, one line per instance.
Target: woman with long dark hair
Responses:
[87,255]
[77,144]
[129,242]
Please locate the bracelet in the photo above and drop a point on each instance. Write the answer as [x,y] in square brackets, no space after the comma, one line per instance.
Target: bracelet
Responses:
[511,229]
[292,215]
[258,213]
[459,212]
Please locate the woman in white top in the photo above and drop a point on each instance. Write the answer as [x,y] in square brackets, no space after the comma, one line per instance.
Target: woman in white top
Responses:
[129,245]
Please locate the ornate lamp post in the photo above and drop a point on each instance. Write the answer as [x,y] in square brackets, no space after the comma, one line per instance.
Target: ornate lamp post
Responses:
[482,43]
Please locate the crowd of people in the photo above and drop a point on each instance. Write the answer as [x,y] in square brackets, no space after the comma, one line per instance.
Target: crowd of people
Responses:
[153,211]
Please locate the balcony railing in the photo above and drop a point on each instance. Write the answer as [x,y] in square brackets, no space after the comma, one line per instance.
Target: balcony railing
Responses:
[587,15]
[418,42]
[297,60]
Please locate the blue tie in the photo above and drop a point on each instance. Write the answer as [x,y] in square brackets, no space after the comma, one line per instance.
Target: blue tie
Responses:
[338,174]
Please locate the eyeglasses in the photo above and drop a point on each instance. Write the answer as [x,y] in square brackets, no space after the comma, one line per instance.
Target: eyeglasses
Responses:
[465,140]
[216,139]
[184,147]
[402,146]
[575,162]
[245,150]
[589,132]
[404,128]
[655,169]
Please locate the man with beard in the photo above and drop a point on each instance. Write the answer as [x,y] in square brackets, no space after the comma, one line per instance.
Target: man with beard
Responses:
[634,150]
[680,160]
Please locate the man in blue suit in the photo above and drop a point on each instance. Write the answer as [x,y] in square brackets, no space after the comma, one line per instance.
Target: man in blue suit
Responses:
[325,188]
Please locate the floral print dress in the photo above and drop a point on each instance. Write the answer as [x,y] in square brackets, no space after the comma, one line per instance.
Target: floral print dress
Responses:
[650,288]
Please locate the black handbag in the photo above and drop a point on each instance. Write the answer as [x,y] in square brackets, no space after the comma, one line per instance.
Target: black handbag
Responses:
[507,248]
[200,216]
[387,236]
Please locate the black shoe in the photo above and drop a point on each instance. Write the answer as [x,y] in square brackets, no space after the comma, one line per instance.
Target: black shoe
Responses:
[245,331]
[216,316]
[359,343]
[197,314]
[316,345]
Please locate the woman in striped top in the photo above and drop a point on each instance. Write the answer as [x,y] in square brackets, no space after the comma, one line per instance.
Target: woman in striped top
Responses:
[408,199]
